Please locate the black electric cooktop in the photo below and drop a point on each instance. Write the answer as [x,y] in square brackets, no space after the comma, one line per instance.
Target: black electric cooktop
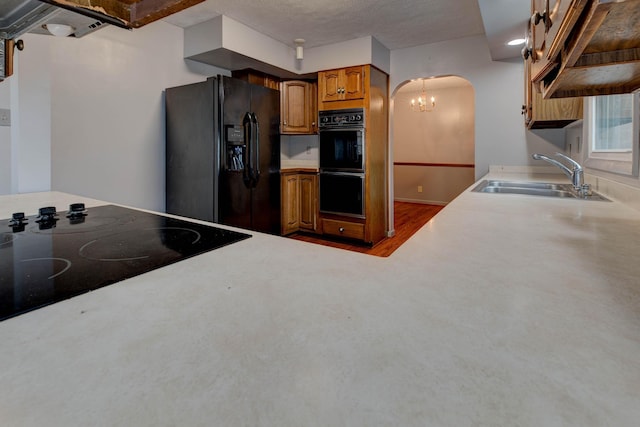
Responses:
[54,256]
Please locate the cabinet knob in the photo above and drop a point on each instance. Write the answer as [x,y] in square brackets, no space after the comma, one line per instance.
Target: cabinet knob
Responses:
[537,17]
[341,229]
[285,122]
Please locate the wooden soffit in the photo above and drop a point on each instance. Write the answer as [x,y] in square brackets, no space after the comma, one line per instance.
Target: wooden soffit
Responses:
[126,13]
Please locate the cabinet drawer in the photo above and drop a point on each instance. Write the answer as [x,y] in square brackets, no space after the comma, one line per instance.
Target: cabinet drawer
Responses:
[352,230]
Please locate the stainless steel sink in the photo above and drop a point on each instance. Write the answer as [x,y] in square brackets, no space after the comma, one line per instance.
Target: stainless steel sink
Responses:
[546,189]
[537,185]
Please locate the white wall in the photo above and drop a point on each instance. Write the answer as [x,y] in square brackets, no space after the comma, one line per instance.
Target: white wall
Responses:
[91,112]
[300,151]
[444,135]
[5,141]
[88,113]
[364,50]
[500,136]
[202,39]
[30,99]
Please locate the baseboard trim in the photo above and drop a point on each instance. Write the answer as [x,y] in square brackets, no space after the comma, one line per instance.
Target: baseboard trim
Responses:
[421,201]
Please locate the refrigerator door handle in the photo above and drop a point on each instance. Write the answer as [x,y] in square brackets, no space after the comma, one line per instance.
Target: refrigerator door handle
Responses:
[247,172]
[256,148]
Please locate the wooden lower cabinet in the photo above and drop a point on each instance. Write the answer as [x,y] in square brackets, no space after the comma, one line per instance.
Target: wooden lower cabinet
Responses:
[299,204]
[308,201]
[290,203]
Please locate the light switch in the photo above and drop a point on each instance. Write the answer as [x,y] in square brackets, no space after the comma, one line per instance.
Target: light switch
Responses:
[5,117]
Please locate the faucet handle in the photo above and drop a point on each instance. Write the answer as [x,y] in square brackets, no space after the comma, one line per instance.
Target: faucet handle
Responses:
[575,164]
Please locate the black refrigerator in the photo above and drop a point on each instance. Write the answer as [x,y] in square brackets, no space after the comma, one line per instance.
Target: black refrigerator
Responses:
[223,153]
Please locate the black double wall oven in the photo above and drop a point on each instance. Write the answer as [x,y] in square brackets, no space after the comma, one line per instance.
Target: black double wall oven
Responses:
[342,162]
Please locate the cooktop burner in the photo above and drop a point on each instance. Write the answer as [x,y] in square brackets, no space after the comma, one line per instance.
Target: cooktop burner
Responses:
[54,256]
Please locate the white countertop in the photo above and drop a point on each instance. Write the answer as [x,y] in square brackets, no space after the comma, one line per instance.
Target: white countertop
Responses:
[503,310]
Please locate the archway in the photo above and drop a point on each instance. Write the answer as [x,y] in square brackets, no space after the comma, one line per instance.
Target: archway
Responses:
[433,151]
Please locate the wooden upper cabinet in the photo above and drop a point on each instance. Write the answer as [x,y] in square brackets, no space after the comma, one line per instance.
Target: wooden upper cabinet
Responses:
[542,113]
[257,78]
[546,18]
[295,103]
[592,48]
[6,64]
[329,85]
[342,84]
[353,83]
[314,107]
[299,109]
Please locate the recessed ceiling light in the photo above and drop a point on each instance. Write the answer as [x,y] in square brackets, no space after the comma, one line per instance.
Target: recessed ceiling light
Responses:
[516,42]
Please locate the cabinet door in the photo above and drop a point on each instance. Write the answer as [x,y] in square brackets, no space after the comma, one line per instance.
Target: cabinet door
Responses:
[538,27]
[542,113]
[290,186]
[527,106]
[546,20]
[553,113]
[353,83]
[308,201]
[548,113]
[314,107]
[295,103]
[329,85]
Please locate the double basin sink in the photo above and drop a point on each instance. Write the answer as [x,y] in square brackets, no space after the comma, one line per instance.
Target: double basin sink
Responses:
[546,189]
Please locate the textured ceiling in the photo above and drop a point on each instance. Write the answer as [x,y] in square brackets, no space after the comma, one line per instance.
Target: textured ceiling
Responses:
[394,23]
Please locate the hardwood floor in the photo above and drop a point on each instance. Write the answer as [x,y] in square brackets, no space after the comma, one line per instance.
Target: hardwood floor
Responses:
[409,218]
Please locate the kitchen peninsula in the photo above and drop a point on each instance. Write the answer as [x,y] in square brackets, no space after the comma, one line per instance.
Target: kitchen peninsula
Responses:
[503,310]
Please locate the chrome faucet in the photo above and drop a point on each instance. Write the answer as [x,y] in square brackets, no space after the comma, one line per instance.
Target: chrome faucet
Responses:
[575,173]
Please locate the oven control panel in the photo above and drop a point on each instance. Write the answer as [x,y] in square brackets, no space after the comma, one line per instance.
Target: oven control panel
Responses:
[347,118]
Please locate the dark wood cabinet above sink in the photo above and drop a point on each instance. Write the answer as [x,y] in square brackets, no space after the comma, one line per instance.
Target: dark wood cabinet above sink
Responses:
[595,49]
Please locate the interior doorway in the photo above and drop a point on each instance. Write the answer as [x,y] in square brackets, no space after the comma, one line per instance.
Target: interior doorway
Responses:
[433,137]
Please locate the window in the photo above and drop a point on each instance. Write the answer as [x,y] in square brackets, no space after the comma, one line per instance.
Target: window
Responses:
[613,135]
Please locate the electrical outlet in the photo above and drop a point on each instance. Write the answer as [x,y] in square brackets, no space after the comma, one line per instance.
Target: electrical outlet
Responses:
[5,117]
[419,188]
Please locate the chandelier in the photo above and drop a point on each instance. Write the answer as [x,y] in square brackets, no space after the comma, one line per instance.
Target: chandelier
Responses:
[422,105]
